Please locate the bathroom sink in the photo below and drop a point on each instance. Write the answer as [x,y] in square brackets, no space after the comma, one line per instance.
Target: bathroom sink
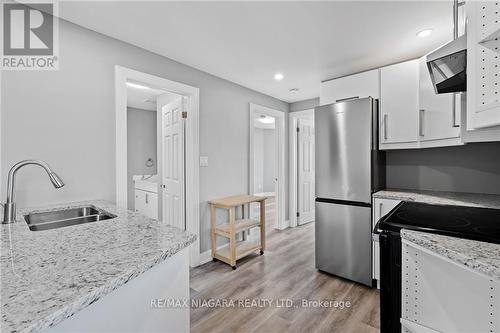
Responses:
[65,217]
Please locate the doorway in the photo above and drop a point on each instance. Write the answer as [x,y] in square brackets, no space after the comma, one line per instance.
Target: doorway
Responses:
[144,147]
[176,107]
[302,177]
[266,167]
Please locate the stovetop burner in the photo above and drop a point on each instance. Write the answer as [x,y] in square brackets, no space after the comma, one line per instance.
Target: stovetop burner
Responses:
[452,222]
[458,221]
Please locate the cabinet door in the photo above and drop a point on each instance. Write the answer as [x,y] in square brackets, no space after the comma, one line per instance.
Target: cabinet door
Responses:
[483,80]
[438,119]
[360,85]
[446,296]
[379,209]
[140,201]
[146,203]
[151,202]
[399,103]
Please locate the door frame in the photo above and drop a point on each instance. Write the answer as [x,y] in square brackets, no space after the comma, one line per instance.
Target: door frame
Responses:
[280,222]
[293,119]
[192,173]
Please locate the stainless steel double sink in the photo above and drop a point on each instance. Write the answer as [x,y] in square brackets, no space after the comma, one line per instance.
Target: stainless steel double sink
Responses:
[54,219]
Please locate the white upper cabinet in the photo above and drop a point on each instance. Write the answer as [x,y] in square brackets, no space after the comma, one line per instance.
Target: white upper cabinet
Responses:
[359,85]
[483,71]
[438,118]
[399,105]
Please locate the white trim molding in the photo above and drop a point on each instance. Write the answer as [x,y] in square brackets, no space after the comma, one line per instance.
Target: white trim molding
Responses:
[192,176]
[280,127]
[293,118]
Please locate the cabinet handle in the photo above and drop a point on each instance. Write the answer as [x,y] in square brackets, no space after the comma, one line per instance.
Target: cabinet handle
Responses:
[421,122]
[346,99]
[147,198]
[380,211]
[386,116]
[454,111]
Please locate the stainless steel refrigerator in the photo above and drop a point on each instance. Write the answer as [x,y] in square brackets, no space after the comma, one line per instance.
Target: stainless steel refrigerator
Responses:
[349,168]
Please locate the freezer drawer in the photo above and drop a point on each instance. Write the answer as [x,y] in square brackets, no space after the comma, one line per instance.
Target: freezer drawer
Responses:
[343,241]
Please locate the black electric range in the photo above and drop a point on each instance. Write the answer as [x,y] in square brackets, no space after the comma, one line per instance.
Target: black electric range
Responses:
[482,224]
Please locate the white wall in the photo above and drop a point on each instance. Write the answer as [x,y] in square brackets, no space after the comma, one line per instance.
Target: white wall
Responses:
[141,145]
[66,117]
[304,105]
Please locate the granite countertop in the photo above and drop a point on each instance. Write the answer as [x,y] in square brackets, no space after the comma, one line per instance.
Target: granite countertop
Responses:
[478,256]
[441,198]
[47,276]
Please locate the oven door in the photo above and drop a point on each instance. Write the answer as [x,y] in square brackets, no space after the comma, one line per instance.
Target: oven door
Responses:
[390,282]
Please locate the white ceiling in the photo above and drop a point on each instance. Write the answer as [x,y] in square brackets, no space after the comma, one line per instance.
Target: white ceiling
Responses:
[248,42]
[145,99]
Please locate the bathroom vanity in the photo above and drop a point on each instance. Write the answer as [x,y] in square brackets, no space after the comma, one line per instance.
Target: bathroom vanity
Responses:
[146,195]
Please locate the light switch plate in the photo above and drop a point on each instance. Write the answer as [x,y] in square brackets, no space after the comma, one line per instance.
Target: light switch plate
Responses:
[203,161]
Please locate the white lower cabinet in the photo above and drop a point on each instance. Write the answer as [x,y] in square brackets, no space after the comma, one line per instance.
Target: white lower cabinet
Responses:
[379,209]
[146,203]
[140,304]
[439,295]
[412,327]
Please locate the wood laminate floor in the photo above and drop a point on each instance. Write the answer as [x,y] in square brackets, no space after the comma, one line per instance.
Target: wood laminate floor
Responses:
[285,271]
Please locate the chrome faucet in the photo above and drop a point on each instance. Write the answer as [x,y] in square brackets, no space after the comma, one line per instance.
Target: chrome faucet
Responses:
[9,208]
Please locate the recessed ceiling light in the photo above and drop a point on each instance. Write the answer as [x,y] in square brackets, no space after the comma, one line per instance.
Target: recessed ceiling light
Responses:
[278,76]
[135,85]
[266,119]
[424,33]
[294,91]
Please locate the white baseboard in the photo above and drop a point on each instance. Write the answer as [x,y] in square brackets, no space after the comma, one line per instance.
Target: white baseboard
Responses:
[205,257]
[285,225]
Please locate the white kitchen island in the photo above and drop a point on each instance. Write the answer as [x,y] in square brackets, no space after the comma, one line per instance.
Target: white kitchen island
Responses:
[104,276]
[449,284]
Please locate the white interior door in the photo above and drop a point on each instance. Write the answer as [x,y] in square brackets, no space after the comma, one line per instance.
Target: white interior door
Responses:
[172,151]
[305,174]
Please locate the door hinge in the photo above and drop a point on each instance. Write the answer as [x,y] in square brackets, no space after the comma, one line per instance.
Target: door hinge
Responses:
[298,214]
[184,114]
[298,129]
